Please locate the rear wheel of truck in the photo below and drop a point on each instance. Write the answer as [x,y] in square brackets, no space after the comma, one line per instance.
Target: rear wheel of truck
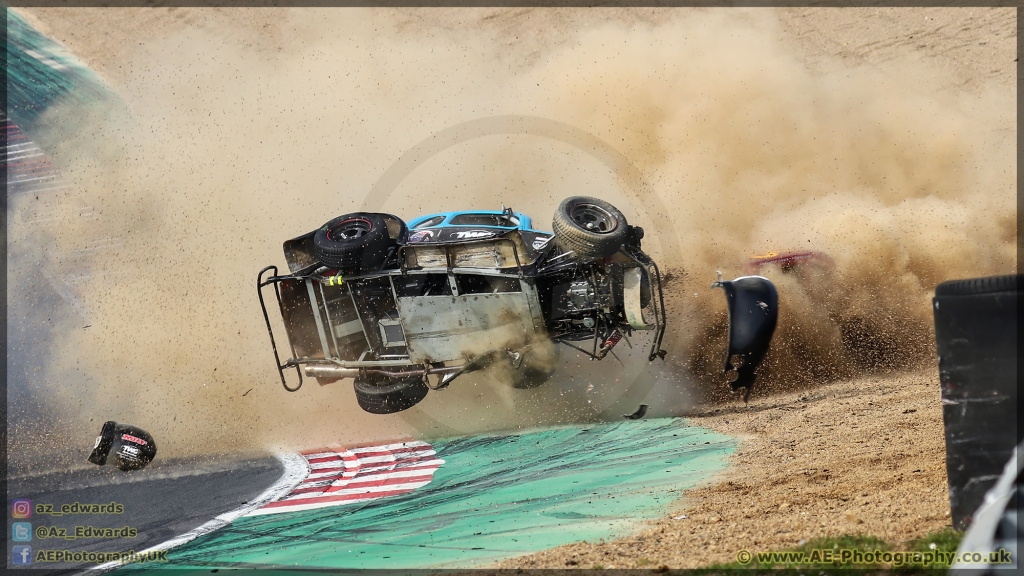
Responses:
[356,242]
[590,227]
[539,364]
[382,395]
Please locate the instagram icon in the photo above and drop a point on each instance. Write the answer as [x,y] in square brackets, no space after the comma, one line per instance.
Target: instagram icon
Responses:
[21,509]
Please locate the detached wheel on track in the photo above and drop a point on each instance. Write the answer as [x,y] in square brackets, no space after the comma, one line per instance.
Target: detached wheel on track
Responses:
[589,226]
[379,395]
[357,241]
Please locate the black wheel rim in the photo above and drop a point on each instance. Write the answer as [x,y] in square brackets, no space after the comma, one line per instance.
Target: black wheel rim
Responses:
[593,218]
[349,230]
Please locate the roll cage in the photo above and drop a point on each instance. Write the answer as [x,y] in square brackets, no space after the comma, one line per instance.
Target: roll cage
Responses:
[537,273]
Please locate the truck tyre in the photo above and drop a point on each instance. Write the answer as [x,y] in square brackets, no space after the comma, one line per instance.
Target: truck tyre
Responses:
[356,242]
[381,395]
[538,366]
[590,227]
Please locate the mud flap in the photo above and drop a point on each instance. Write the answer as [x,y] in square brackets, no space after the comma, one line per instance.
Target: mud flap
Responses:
[633,296]
[753,312]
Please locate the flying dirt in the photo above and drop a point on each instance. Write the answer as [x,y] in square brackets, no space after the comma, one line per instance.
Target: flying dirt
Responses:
[240,130]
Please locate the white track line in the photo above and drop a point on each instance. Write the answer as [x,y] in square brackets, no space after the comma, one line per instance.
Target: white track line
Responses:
[295,470]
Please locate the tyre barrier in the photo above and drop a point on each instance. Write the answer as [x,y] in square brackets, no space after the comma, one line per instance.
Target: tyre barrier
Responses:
[976,337]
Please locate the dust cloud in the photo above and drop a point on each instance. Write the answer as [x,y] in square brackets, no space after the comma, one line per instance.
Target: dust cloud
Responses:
[226,150]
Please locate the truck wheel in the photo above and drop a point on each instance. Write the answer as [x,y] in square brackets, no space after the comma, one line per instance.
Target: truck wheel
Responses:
[539,365]
[528,377]
[357,241]
[380,395]
[590,227]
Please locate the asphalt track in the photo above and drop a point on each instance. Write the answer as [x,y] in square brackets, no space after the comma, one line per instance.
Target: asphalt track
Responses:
[161,502]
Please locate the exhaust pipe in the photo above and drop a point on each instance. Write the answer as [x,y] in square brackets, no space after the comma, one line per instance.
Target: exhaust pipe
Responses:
[331,372]
[337,372]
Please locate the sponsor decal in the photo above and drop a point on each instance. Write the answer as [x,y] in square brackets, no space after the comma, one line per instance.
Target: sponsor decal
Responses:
[129,438]
[340,476]
[539,243]
[129,451]
[421,236]
[470,234]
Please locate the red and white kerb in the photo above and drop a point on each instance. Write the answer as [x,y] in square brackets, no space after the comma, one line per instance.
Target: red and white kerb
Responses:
[346,476]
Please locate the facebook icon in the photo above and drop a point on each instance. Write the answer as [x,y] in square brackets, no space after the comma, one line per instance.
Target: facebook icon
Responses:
[21,555]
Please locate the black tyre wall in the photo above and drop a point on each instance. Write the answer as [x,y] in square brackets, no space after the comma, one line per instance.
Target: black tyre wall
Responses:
[976,337]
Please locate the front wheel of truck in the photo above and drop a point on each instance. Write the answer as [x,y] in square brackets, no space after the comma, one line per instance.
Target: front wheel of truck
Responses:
[590,227]
[383,395]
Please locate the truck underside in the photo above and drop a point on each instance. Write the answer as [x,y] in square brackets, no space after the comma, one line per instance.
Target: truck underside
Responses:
[426,317]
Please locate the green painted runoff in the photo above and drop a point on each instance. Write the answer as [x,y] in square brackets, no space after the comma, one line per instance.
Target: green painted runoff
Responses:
[496,497]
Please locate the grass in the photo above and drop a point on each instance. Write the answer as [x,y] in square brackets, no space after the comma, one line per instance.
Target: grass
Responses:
[815,564]
[947,539]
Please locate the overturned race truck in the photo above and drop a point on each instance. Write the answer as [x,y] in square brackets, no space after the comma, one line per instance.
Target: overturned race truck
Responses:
[406,308]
